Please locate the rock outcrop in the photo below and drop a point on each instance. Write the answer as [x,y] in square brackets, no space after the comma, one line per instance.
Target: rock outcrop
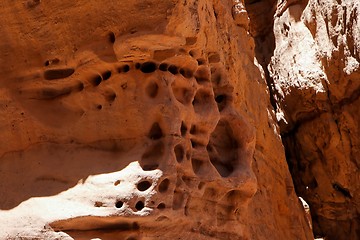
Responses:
[139,120]
[314,75]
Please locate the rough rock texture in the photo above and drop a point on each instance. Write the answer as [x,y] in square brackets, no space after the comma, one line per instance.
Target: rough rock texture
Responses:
[138,120]
[314,74]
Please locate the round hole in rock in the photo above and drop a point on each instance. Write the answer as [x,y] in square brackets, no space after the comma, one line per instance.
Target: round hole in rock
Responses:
[110,96]
[186,72]
[106,75]
[192,53]
[148,67]
[152,89]
[220,98]
[96,80]
[99,107]
[79,87]
[117,182]
[193,130]
[173,69]
[111,37]
[161,206]
[164,185]
[155,132]
[144,185]
[125,68]
[179,153]
[183,129]
[163,67]
[200,61]
[201,185]
[139,205]
[119,204]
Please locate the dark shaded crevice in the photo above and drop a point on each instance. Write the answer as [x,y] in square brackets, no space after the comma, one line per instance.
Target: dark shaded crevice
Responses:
[261,29]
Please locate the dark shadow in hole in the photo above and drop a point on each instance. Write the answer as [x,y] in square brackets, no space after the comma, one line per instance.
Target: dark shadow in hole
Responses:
[152,89]
[223,149]
[139,205]
[187,73]
[203,102]
[155,132]
[202,74]
[53,74]
[148,67]
[222,101]
[161,206]
[152,156]
[173,69]
[106,75]
[95,81]
[163,67]
[179,153]
[164,185]
[119,204]
[123,69]
[197,165]
[111,37]
[183,129]
[143,185]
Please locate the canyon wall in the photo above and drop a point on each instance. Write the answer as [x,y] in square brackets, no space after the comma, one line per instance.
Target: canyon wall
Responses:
[314,78]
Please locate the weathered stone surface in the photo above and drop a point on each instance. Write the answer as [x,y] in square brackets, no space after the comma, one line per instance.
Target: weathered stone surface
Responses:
[315,74]
[139,120]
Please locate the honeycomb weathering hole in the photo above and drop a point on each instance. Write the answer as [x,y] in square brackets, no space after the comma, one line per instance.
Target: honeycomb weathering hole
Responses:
[95,81]
[155,132]
[183,129]
[202,102]
[163,67]
[196,165]
[124,68]
[221,100]
[143,185]
[164,185]
[179,153]
[152,89]
[53,74]
[223,149]
[187,73]
[111,37]
[161,206]
[173,69]
[139,205]
[202,74]
[152,156]
[119,204]
[148,67]
[182,94]
[106,75]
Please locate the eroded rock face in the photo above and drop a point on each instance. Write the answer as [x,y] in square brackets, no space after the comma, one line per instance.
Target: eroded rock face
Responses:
[315,70]
[140,121]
